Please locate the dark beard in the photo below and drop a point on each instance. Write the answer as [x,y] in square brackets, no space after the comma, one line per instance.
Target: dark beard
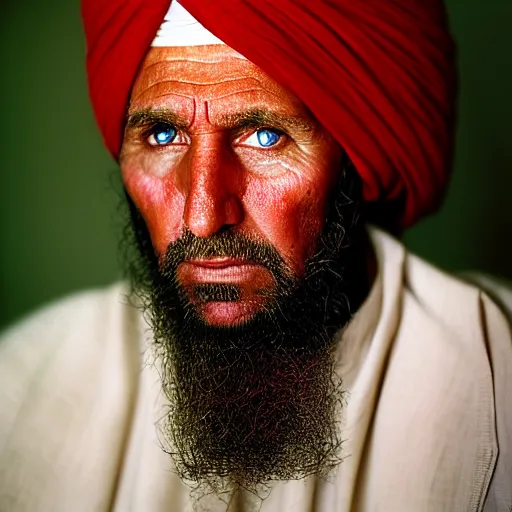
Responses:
[259,401]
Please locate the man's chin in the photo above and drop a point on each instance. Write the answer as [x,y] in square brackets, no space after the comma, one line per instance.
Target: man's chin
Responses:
[228,314]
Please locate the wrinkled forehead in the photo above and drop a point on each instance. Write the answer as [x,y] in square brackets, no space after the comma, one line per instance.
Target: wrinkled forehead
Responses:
[201,65]
[215,74]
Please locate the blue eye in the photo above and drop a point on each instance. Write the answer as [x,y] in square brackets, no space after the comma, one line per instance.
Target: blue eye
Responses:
[162,135]
[263,138]
[267,138]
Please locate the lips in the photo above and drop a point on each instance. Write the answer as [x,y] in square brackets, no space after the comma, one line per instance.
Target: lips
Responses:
[226,270]
[219,263]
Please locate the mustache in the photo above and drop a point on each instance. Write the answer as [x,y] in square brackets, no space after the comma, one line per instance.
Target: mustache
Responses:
[225,244]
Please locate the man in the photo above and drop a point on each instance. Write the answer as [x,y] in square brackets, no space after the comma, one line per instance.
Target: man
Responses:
[288,356]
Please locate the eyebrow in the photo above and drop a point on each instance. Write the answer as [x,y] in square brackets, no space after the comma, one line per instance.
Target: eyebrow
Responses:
[260,118]
[255,118]
[150,116]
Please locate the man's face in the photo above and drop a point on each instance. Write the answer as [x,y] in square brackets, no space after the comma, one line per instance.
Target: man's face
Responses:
[213,144]
[245,212]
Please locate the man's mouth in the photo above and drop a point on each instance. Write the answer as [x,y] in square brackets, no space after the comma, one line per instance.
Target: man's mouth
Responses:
[225,270]
[219,262]
[248,278]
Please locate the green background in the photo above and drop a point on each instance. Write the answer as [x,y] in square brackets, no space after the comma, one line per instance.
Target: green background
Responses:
[59,198]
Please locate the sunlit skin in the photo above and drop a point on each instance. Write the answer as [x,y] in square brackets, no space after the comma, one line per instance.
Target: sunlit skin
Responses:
[212,143]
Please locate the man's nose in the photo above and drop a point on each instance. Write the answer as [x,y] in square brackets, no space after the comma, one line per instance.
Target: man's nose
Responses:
[213,196]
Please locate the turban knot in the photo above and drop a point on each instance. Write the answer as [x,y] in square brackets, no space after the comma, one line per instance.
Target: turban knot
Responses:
[379,75]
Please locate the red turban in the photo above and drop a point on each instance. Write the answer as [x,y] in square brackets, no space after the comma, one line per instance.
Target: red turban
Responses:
[378,74]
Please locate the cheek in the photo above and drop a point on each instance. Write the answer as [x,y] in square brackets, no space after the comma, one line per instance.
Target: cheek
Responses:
[290,215]
[159,203]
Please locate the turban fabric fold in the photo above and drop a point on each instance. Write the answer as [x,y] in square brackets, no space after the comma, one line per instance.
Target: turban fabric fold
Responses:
[379,75]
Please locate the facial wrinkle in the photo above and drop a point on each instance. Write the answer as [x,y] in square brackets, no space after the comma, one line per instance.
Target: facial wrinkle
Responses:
[219,71]
[163,95]
[200,72]
[217,82]
[194,113]
[150,65]
[240,91]
[206,113]
[203,54]
[213,90]
[202,60]
[213,82]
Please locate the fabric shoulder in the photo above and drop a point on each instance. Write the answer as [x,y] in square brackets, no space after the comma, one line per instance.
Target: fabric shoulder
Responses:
[68,377]
[496,302]
[82,325]
[497,288]
[446,298]
[450,297]
[477,310]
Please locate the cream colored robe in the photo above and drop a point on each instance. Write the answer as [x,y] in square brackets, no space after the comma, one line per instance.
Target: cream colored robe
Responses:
[427,362]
